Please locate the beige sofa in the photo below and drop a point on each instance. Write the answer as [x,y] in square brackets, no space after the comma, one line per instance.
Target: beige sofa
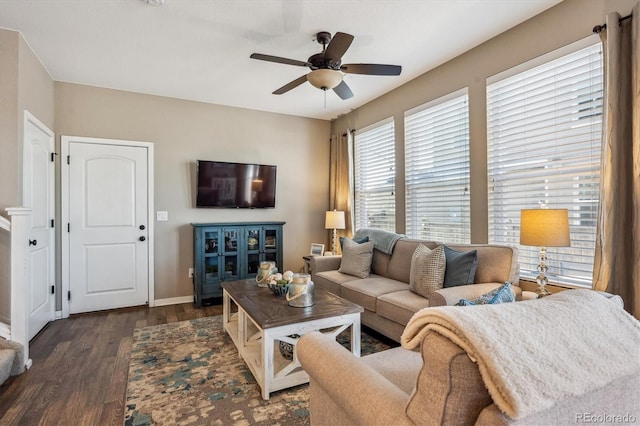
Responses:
[441,384]
[385,296]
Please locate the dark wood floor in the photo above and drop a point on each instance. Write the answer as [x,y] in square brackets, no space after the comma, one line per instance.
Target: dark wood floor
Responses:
[80,367]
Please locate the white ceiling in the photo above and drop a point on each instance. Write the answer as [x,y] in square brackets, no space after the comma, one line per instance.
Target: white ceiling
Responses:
[199,49]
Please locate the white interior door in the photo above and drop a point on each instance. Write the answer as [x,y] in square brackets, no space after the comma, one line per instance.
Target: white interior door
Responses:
[108,194]
[38,191]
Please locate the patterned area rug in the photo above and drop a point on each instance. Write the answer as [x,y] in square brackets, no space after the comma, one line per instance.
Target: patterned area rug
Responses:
[189,373]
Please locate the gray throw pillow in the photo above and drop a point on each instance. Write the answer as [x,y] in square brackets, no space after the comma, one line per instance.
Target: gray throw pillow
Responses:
[356,258]
[461,267]
[427,270]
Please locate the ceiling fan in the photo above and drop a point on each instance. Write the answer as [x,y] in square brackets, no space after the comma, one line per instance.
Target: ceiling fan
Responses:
[327,68]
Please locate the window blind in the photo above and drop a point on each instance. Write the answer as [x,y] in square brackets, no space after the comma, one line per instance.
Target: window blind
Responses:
[437,170]
[374,177]
[544,142]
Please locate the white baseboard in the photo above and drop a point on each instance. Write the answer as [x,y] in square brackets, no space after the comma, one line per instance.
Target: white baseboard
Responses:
[58,315]
[173,301]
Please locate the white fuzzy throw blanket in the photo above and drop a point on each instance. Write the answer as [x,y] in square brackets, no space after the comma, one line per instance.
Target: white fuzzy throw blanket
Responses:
[534,353]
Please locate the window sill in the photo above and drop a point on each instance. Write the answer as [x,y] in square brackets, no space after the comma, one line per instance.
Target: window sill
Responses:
[530,285]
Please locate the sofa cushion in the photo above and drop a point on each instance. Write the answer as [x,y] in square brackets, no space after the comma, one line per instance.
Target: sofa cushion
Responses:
[331,280]
[502,294]
[400,306]
[496,264]
[398,265]
[356,258]
[461,267]
[365,292]
[427,270]
[450,389]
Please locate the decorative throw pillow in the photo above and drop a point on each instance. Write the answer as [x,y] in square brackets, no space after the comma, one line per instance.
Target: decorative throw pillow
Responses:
[427,270]
[356,258]
[502,294]
[461,267]
[357,240]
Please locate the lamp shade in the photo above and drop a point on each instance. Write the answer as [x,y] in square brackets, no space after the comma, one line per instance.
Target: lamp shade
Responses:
[545,228]
[324,79]
[334,220]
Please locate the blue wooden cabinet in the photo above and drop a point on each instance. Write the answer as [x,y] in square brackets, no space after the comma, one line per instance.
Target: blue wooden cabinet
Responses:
[231,252]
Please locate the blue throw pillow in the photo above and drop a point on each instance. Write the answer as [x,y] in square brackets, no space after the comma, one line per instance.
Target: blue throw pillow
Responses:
[502,294]
[357,240]
[461,267]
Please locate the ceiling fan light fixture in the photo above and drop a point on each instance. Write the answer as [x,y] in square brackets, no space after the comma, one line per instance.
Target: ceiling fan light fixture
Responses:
[324,79]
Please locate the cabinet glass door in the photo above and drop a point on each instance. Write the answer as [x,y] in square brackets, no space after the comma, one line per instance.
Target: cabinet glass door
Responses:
[211,268]
[271,243]
[253,240]
[211,241]
[271,239]
[230,253]
[211,255]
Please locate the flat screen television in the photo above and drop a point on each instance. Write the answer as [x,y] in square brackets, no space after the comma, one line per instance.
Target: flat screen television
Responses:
[235,185]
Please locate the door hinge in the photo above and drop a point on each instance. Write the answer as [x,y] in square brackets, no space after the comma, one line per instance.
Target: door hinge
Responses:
[69,295]
[53,223]
[68,227]
[68,159]
[53,289]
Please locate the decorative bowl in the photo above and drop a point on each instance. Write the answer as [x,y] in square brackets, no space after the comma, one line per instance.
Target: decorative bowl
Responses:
[278,289]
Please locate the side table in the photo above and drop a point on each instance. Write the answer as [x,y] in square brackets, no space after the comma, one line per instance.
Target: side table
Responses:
[307,264]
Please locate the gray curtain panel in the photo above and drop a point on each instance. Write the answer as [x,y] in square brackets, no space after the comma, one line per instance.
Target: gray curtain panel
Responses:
[341,180]
[617,257]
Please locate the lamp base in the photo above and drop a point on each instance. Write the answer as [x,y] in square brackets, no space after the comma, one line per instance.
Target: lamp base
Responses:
[542,292]
[542,279]
[334,241]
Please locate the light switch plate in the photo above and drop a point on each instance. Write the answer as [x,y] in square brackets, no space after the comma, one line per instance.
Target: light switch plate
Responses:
[162,216]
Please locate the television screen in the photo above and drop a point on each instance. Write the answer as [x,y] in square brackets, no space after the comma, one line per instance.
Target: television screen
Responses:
[235,185]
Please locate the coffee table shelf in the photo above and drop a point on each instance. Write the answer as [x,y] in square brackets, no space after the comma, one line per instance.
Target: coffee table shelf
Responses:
[257,321]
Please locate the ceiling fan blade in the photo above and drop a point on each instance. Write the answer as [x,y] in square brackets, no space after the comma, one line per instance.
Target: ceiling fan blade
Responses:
[291,85]
[371,69]
[338,45]
[278,59]
[343,90]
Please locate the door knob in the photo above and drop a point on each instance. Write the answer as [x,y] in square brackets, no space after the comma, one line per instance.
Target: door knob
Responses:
[142,227]
[142,238]
[33,243]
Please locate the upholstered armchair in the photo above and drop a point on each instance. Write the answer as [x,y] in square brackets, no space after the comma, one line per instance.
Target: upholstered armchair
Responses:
[442,383]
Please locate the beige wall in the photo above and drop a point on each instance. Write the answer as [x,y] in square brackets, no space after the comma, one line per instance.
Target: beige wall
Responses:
[9,148]
[185,131]
[24,84]
[563,24]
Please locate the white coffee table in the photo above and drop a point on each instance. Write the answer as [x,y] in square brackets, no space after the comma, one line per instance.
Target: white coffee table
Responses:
[257,321]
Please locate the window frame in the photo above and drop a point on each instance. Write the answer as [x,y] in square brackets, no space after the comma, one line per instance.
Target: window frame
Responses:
[581,210]
[367,198]
[438,208]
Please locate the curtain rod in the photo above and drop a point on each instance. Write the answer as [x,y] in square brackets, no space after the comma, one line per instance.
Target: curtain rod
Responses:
[599,28]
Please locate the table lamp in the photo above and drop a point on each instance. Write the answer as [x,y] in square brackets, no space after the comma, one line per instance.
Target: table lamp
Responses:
[334,220]
[544,228]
